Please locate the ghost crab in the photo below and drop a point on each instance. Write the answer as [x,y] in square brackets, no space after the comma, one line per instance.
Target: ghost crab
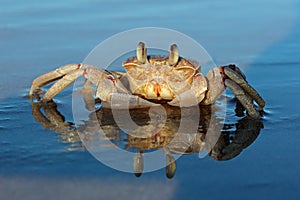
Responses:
[149,80]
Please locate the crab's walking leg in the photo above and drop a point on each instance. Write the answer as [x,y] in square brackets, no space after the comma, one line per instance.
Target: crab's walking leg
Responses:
[245,100]
[53,75]
[61,84]
[245,93]
[240,80]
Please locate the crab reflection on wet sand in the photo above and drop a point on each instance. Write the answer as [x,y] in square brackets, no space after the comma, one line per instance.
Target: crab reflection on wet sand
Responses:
[232,140]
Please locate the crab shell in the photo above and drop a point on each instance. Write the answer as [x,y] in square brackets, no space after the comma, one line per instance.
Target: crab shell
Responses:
[164,78]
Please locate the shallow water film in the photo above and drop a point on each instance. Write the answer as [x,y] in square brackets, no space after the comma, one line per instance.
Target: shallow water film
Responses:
[46,154]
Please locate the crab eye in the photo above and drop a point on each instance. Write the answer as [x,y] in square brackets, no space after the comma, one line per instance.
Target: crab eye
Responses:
[173,55]
[141,53]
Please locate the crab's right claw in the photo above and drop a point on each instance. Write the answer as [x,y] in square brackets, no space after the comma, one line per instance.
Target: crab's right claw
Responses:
[112,92]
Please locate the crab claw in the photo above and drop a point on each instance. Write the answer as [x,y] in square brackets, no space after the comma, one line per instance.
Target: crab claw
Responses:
[185,99]
[112,92]
[127,101]
[192,96]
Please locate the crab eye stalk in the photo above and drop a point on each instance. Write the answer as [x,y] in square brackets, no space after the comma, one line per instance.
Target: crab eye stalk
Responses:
[141,53]
[173,55]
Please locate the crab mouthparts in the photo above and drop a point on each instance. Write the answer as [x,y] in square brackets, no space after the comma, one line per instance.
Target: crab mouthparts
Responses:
[154,90]
[157,89]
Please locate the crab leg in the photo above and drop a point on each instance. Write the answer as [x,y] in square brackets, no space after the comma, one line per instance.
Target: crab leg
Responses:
[61,84]
[53,75]
[245,100]
[237,70]
[239,79]
[232,77]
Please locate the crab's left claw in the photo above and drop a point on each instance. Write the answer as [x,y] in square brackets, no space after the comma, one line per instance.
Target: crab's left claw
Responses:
[193,95]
